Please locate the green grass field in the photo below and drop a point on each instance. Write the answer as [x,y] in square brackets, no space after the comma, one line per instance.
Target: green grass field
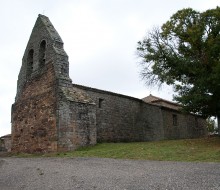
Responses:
[196,150]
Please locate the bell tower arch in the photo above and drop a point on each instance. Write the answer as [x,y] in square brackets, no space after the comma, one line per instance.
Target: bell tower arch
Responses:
[34,113]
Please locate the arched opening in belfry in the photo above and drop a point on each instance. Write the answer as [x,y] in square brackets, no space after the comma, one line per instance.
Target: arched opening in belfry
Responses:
[42,53]
[30,61]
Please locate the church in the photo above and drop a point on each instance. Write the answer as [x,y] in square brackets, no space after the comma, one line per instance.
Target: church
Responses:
[50,113]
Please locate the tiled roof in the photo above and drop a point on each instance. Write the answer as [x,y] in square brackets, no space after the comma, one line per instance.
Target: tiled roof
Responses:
[5,136]
[161,102]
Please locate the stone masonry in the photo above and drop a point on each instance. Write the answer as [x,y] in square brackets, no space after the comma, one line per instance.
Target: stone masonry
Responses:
[51,114]
[48,115]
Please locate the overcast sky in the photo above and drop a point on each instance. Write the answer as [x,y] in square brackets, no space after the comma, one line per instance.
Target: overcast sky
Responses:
[99,36]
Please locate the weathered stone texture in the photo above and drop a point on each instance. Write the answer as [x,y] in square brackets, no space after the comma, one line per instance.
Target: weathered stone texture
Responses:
[34,115]
[187,126]
[44,70]
[121,118]
[5,143]
[48,115]
[43,31]
[116,116]
[77,123]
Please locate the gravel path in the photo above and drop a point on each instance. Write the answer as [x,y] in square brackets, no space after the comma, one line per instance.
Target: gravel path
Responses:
[96,173]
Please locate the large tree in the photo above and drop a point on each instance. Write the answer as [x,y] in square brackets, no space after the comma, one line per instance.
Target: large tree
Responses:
[185,53]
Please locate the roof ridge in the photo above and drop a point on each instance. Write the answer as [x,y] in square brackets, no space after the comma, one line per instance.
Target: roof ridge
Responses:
[161,99]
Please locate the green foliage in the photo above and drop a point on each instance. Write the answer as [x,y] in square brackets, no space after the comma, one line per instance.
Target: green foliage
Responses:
[185,53]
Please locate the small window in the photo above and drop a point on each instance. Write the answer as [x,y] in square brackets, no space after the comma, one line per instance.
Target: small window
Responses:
[42,53]
[174,120]
[30,62]
[101,102]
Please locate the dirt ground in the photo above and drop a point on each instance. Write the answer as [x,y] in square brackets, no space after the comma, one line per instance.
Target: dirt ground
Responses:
[96,173]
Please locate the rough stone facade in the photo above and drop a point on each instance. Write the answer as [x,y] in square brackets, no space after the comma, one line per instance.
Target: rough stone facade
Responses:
[52,114]
[123,118]
[48,115]
[5,143]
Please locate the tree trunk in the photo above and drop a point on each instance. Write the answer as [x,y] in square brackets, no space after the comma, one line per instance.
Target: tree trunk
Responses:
[218,124]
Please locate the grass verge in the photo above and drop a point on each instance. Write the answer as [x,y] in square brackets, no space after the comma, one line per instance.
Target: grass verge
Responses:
[196,150]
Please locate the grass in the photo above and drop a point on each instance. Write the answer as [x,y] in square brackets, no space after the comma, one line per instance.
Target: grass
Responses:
[196,150]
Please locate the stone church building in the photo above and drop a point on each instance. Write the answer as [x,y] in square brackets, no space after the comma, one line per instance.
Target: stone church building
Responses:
[52,114]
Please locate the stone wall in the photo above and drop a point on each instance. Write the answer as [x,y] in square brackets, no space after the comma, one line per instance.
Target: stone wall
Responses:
[178,125]
[5,143]
[34,114]
[122,118]
[151,116]
[77,121]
